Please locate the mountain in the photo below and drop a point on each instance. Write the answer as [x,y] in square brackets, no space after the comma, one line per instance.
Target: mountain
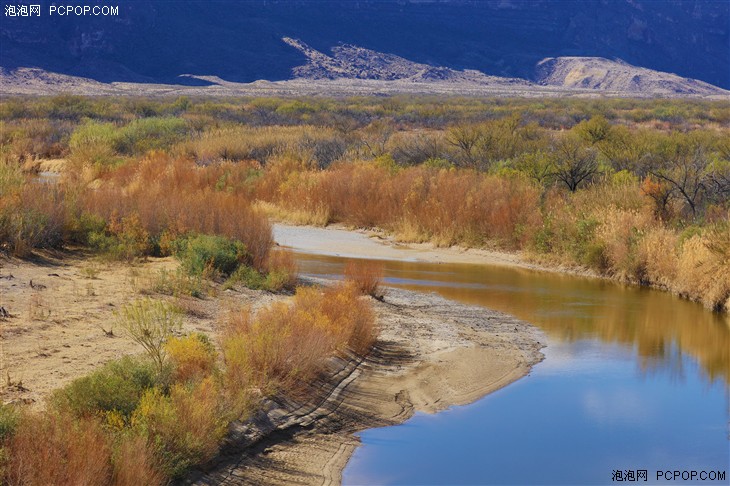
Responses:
[597,73]
[240,41]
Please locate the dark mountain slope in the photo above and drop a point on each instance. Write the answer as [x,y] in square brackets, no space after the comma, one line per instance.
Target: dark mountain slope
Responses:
[241,41]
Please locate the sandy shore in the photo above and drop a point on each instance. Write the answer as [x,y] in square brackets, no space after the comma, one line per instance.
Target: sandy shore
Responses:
[431,354]
[339,241]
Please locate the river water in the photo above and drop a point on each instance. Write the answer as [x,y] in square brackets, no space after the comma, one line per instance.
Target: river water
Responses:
[634,380]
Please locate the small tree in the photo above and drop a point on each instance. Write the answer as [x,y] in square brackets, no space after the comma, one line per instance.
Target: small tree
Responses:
[150,323]
[573,163]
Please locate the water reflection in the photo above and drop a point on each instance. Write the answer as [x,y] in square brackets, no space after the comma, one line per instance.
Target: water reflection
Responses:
[658,326]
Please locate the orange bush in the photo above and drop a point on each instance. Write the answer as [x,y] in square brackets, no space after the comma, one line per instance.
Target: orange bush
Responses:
[283,270]
[420,203]
[284,346]
[175,196]
[135,463]
[57,449]
[366,276]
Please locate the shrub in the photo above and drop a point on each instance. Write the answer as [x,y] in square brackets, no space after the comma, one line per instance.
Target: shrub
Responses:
[203,254]
[367,277]
[193,357]
[178,283]
[150,323]
[123,239]
[281,274]
[145,134]
[32,216]
[247,276]
[117,386]
[185,426]
[620,233]
[282,268]
[658,249]
[94,142]
[177,197]
[704,268]
[8,422]
[284,346]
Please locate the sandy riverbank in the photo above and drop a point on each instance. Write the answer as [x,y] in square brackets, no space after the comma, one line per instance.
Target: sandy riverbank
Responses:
[431,354]
[339,241]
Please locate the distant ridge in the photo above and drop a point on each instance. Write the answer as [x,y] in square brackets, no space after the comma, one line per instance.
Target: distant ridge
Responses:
[357,71]
[597,73]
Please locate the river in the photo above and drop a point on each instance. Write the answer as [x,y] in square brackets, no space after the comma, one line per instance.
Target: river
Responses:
[635,381]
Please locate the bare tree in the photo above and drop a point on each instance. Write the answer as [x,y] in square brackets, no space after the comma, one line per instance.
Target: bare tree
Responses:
[466,139]
[685,169]
[573,164]
[375,137]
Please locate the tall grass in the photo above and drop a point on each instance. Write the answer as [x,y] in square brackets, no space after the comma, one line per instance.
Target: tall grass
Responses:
[417,203]
[50,448]
[317,145]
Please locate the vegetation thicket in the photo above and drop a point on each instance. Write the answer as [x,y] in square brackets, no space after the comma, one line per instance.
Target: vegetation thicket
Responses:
[637,190]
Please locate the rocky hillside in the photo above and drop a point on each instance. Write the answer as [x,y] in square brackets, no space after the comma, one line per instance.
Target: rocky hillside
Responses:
[353,62]
[597,73]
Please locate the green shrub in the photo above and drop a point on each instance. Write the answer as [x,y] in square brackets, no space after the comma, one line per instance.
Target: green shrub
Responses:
[117,386]
[248,277]
[80,229]
[153,133]
[94,142]
[179,283]
[201,254]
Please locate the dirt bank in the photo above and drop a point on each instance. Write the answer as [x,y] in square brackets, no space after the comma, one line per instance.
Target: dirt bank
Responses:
[431,354]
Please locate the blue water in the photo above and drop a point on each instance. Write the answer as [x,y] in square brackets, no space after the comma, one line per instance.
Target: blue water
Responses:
[581,414]
[632,380]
